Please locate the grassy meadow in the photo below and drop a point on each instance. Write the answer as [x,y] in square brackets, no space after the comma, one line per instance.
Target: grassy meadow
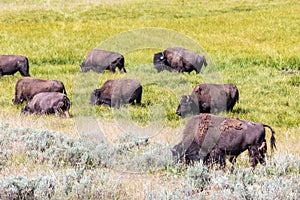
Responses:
[254,45]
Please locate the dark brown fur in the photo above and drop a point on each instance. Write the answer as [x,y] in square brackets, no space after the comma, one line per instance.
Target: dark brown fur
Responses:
[99,60]
[47,103]
[211,138]
[117,92]
[184,60]
[10,64]
[209,98]
[27,87]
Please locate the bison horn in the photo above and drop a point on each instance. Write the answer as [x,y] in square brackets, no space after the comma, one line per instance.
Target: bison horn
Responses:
[187,98]
[163,56]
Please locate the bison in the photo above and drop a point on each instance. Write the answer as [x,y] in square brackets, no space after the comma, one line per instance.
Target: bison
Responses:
[117,92]
[211,138]
[179,59]
[209,98]
[10,64]
[27,87]
[47,103]
[99,60]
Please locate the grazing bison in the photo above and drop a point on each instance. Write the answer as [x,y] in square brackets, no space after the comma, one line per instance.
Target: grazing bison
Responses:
[10,64]
[27,87]
[210,138]
[99,60]
[47,103]
[179,59]
[208,98]
[117,92]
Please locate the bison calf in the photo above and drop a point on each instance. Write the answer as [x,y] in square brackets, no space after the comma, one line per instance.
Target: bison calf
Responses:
[27,87]
[99,60]
[10,64]
[47,103]
[117,92]
[211,138]
[208,98]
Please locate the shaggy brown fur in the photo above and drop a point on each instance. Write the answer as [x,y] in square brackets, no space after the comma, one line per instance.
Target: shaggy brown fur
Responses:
[210,138]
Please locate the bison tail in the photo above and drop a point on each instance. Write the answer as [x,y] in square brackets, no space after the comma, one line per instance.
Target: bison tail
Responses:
[205,63]
[65,92]
[63,89]
[272,139]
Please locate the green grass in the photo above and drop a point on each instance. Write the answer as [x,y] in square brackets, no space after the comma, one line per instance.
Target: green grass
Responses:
[254,45]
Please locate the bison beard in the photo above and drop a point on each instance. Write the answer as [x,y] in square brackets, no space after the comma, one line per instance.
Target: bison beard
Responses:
[211,138]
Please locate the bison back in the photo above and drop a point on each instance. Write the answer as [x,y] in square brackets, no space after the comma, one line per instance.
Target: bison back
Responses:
[99,60]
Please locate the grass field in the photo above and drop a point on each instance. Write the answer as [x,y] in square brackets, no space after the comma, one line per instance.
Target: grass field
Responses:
[254,45]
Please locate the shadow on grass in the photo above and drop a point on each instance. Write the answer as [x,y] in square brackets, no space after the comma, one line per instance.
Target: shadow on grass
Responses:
[240,111]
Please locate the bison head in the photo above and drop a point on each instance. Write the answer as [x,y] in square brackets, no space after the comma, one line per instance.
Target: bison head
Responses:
[160,62]
[177,152]
[187,105]
[97,98]
[25,110]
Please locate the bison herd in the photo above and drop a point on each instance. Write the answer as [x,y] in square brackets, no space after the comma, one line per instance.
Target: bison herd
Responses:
[206,136]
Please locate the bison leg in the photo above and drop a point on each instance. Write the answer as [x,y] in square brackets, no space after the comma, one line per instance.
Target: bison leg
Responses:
[232,159]
[139,97]
[24,72]
[67,114]
[218,157]
[253,156]
[112,68]
[262,150]
[57,113]
[58,108]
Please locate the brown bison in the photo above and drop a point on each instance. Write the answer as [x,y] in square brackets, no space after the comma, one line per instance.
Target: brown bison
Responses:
[99,60]
[211,138]
[47,103]
[209,98]
[27,87]
[179,59]
[117,92]
[10,64]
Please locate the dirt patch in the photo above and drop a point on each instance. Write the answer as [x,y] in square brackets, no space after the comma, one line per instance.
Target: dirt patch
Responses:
[231,122]
[205,122]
